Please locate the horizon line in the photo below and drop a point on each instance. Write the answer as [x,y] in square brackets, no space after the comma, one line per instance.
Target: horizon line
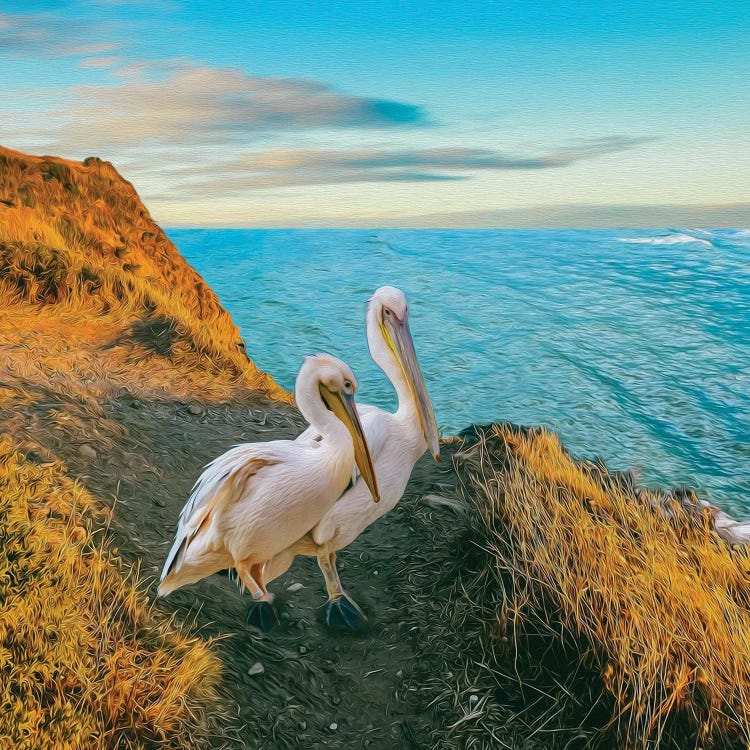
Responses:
[565,216]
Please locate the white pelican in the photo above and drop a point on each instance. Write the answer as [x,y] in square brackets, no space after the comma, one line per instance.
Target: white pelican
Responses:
[256,499]
[396,441]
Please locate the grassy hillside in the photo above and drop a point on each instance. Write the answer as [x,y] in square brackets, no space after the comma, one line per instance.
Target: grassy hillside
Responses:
[96,287]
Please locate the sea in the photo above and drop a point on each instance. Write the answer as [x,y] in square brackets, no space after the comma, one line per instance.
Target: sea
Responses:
[633,345]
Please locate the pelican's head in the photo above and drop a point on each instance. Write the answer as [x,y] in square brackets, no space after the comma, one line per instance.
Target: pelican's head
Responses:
[388,316]
[336,386]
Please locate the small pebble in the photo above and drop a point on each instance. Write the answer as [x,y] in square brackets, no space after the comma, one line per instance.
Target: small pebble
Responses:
[285,616]
[375,572]
[303,725]
[334,726]
[87,451]
[400,673]
[257,668]
[195,409]
[302,649]
[336,700]
[295,587]
[473,699]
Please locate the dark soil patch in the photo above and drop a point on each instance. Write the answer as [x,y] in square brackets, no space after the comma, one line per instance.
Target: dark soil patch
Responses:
[155,334]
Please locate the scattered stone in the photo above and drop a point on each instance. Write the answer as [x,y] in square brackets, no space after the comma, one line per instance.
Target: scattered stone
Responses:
[375,572]
[335,700]
[303,725]
[400,673]
[257,668]
[473,699]
[334,726]
[87,451]
[195,409]
[441,501]
[303,649]
[285,616]
[295,587]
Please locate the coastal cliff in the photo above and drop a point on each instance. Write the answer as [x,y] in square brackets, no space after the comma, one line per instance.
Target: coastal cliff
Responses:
[81,258]
[515,595]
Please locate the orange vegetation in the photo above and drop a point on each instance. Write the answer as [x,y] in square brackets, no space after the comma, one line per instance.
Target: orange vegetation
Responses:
[638,584]
[84,663]
[90,284]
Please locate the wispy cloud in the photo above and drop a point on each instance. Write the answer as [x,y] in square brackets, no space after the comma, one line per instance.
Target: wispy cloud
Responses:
[286,167]
[99,62]
[179,103]
[49,35]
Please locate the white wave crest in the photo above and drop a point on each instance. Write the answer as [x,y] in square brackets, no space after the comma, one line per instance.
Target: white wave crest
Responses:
[670,239]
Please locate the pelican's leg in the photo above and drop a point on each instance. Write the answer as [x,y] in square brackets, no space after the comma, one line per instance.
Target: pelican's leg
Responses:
[260,613]
[341,612]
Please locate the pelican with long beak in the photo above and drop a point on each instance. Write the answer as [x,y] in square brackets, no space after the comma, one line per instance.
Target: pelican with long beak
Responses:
[396,440]
[257,499]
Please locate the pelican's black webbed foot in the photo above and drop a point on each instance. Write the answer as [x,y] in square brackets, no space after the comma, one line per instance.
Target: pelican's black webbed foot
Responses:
[342,614]
[262,615]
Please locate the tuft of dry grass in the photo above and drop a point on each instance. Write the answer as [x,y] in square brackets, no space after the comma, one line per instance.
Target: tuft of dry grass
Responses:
[576,569]
[84,661]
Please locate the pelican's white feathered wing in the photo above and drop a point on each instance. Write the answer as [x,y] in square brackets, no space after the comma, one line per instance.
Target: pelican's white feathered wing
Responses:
[222,478]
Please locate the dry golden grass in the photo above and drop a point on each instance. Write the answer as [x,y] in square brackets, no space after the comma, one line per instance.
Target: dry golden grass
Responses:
[76,242]
[84,662]
[640,587]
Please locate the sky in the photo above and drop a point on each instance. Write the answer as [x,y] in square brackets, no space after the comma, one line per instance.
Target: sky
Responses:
[276,113]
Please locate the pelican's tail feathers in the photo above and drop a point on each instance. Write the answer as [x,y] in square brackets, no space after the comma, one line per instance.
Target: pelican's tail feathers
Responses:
[169,566]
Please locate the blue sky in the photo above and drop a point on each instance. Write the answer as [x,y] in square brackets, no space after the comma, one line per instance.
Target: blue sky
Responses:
[370,113]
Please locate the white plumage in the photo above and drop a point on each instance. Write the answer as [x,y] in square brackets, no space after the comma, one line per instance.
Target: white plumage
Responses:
[256,499]
[396,442]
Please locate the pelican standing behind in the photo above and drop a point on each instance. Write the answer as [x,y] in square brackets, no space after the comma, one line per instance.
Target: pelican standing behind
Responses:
[258,498]
[396,442]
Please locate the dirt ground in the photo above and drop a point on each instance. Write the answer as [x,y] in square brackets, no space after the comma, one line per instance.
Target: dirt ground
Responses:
[317,688]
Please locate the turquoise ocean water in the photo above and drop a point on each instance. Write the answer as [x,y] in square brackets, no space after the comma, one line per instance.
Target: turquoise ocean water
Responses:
[633,344]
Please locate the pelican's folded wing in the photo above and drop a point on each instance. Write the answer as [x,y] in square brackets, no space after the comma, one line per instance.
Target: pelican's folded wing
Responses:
[226,480]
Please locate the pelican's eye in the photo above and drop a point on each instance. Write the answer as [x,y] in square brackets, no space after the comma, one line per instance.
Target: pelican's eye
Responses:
[387,312]
[347,386]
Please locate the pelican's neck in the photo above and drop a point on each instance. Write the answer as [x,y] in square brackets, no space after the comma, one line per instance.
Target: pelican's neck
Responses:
[311,406]
[386,360]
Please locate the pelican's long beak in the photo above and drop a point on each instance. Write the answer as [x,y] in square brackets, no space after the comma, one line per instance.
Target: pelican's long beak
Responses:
[343,406]
[398,336]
